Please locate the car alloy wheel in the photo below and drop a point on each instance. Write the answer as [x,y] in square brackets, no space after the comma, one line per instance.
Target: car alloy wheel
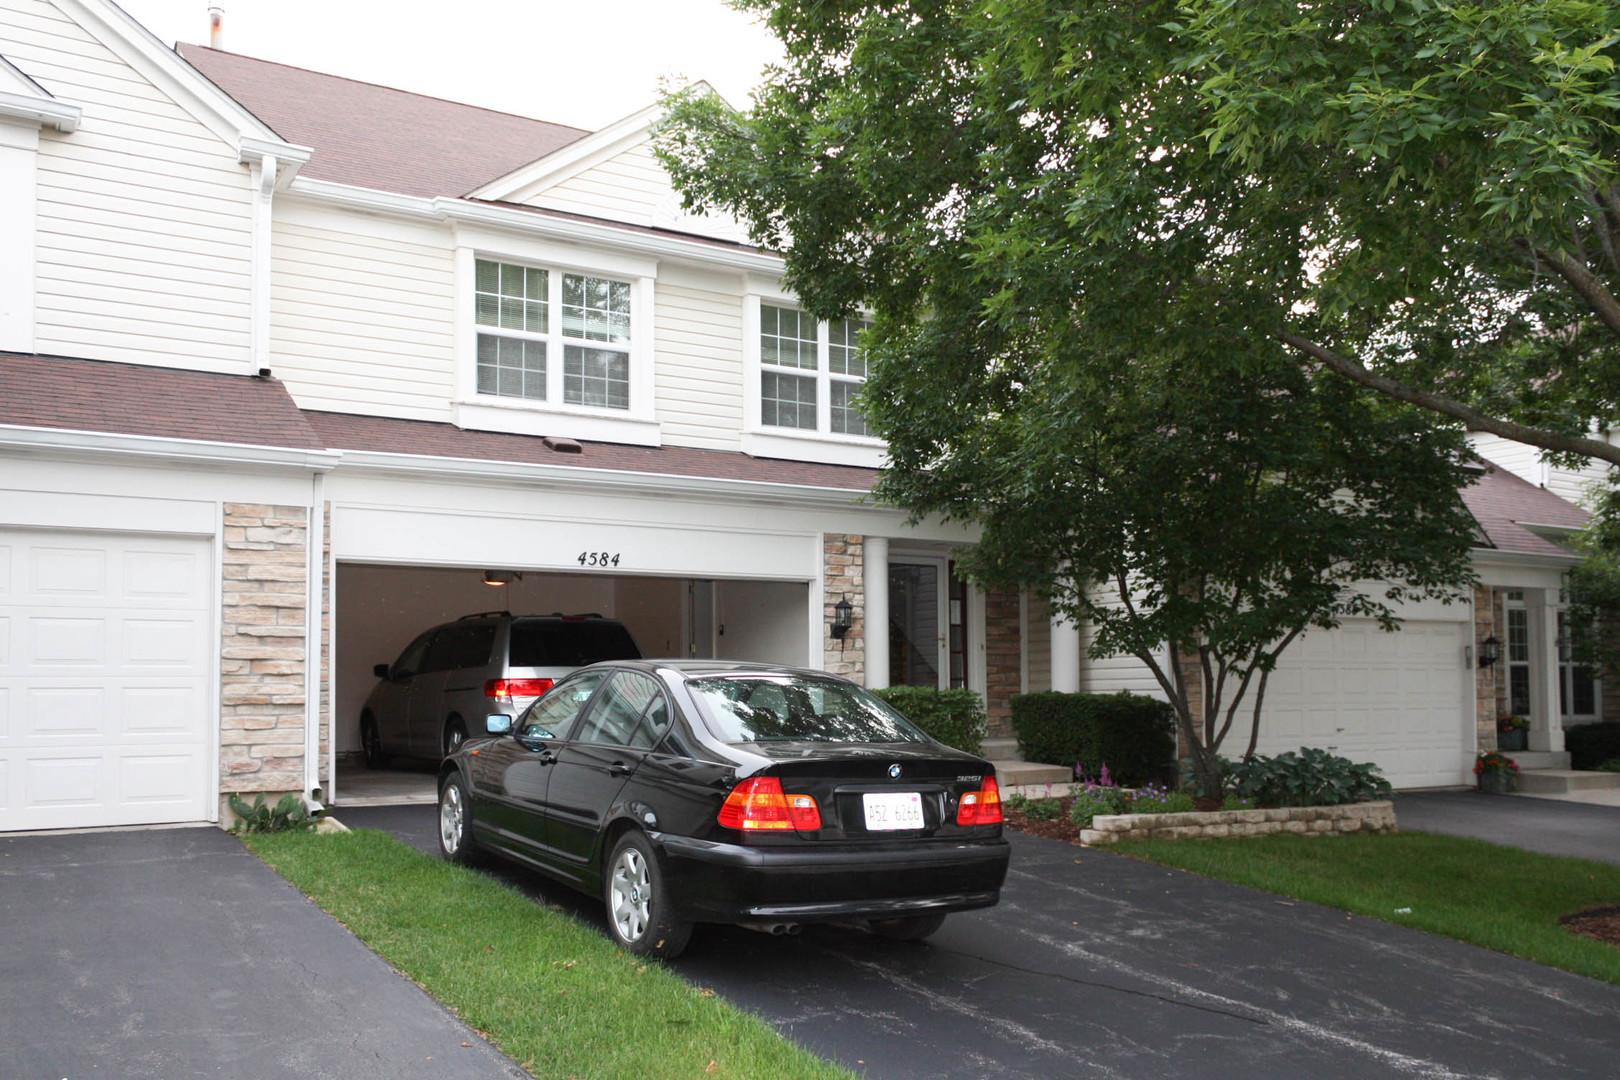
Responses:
[631,895]
[638,908]
[454,735]
[455,835]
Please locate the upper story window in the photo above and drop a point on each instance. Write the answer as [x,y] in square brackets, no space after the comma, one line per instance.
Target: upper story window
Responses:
[810,372]
[530,318]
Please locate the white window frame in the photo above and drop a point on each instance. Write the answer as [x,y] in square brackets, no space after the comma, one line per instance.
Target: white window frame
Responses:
[801,444]
[636,425]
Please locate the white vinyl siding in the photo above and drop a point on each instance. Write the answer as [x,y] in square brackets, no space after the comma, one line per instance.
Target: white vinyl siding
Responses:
[1115,673]
[363,323]
[699,388]
[631,186]
[144,230]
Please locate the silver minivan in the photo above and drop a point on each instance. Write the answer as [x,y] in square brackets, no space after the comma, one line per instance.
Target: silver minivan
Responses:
[451,677]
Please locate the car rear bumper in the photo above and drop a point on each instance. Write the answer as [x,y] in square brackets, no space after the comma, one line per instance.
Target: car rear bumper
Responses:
[714,882]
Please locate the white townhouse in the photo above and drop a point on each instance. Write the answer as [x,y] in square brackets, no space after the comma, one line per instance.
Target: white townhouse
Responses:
[288,362]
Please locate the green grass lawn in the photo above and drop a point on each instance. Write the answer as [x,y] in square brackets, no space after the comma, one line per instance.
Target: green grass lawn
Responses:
[1496,897]
[555,995]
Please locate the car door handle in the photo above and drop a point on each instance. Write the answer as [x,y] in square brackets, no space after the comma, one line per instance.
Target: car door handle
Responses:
[619,768]
[548,757]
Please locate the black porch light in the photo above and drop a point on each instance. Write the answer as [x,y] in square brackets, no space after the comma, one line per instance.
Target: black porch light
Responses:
[1490,650]
[843,619]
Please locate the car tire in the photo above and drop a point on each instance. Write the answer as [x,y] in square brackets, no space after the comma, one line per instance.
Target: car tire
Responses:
[910,928]
[455,733]
[456,841]
[640,913]
[371,742]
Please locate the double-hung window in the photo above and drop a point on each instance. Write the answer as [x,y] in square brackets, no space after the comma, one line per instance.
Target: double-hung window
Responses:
[552,336]
[809,373]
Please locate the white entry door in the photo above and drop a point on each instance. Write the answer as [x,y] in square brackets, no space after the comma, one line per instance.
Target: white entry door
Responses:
[105,679]
[1395,699]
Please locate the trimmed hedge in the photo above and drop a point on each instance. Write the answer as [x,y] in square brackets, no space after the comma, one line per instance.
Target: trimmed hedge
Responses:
[954,717]
[1131,734]
[1590,745]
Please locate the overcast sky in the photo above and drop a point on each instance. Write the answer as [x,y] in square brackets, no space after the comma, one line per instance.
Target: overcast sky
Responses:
[583,62]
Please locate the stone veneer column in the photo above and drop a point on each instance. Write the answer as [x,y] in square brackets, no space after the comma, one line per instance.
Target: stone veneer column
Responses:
[263,648]
[1490,690]
[843,576]
[1003,666]
[324,677]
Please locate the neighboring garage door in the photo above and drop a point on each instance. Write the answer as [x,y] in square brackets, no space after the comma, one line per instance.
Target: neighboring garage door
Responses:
[104,679]
[1396,700]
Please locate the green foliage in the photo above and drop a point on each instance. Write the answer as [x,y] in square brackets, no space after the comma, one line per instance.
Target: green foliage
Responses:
[1237,802]
[288,815]
[1590,745]
[1092,800]
[1154,799]
[954,717]
[1036,809]
[1311,777]
[1132,735]
[1612,765]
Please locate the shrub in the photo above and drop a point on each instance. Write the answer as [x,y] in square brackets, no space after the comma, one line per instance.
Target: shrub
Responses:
[1309,778]
[1590,745]
[1134,736]
[1154,799]
[954,717]
[1234,802]
[1091,800]
[288,815]
[1612,765]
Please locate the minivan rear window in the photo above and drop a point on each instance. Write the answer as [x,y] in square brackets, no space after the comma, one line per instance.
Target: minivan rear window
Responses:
[566,643]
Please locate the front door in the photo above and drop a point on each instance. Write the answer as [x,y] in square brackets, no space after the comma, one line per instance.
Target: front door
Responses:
[918,637]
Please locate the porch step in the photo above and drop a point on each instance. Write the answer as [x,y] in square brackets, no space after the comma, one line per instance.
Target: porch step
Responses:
[1000,748]
[1563,781]
[1025,774]
[1539,759]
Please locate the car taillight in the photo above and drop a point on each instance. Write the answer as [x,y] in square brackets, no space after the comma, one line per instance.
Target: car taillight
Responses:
[760,804]
[982,807]
[517,687]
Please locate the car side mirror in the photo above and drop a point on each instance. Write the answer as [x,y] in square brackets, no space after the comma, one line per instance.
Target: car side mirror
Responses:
[380,670]
[498,724]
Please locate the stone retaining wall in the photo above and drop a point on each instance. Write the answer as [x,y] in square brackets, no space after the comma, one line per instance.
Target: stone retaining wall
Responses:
[1373,817]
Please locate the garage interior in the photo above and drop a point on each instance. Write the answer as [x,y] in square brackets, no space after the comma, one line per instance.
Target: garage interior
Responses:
[379,609]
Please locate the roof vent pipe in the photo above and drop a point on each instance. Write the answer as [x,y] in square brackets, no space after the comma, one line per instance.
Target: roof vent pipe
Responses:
[216,27]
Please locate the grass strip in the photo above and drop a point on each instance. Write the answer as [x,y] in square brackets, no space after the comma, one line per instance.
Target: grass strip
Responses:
[1496,897]
[554,995]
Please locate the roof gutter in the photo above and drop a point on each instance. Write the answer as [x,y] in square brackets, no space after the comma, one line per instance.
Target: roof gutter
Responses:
[22,439]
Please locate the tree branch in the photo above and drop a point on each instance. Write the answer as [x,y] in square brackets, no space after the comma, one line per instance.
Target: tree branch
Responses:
[1547,440]
[1586,284]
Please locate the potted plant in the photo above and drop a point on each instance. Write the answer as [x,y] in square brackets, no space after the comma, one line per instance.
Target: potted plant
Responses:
[1512,732]
[1498,774]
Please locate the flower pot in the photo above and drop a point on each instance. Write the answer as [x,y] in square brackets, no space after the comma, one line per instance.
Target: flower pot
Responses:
[1496,783]
[1517,739]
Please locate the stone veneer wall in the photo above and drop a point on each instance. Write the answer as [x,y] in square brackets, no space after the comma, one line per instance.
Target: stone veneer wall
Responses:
[1003,667]
[844,575]
[262,665]
[1490,690]
[325,676]
[1374,817]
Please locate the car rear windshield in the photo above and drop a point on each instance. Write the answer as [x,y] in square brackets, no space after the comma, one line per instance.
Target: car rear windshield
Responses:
[750,708]
[569,643]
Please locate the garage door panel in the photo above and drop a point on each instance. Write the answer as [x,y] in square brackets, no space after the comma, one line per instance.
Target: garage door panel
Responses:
[106,646]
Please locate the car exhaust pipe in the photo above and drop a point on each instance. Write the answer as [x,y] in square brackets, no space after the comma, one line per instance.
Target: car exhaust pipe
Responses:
[775,929]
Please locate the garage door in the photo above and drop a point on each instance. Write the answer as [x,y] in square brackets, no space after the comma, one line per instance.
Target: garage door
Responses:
[104,679]
[1396,700]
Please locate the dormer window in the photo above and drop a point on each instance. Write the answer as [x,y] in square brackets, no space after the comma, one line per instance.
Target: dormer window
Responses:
[529,316]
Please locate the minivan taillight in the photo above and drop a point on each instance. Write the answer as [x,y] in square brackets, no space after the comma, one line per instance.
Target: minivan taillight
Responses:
[982,807]
[510,688]
[760,804]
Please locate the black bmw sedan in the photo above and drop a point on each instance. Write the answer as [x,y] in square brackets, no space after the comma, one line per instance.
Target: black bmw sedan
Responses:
[688,791]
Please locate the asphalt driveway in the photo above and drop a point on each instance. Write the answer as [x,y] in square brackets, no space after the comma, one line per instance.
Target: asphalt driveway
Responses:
[1097,965]
[1547,826]
[174,953]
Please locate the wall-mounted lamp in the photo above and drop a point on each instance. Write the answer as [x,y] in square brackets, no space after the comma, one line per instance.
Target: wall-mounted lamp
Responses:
[502,577]
[1490,650]
[843,619]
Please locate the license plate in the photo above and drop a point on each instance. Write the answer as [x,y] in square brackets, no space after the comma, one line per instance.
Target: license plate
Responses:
[896,810]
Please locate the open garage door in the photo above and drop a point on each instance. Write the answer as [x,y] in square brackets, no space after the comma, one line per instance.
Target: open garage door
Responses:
[1396,699]
[105,675]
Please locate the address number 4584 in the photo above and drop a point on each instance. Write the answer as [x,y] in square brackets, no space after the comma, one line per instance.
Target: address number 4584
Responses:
[599,558]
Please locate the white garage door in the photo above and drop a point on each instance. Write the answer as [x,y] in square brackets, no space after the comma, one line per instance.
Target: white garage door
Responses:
[1397,700]
[104,679]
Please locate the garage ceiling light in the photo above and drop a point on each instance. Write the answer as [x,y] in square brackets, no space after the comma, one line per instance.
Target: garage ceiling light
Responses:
[501,577]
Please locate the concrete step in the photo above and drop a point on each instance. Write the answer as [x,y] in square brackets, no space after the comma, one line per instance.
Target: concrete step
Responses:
[1025,774]
[1563,781]
[1539,759]
[1000,748]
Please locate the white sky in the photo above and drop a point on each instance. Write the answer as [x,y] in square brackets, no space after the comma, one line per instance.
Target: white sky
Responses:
[583,62]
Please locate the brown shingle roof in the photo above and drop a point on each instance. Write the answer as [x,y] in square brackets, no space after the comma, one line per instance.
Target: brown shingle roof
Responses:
[344,431]
[1503,504]
[126,399]
[377,137]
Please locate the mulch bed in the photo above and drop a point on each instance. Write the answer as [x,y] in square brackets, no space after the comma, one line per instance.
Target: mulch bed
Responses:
[1602,924]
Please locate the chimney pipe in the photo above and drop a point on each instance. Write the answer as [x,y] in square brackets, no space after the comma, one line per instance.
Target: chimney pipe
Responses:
[216,27]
